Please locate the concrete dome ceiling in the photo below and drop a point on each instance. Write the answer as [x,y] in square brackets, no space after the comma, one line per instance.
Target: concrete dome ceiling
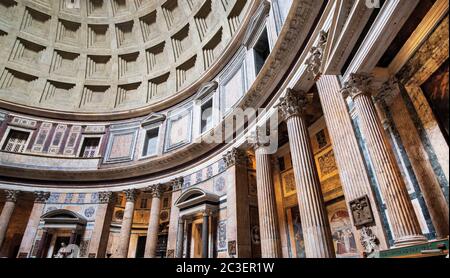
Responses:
[111,57]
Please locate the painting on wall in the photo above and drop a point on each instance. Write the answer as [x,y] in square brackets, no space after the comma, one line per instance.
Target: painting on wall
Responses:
[436,90]
[341,229]
[297,232]
[288,181]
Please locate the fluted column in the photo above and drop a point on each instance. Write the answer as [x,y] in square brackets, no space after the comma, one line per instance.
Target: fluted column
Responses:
[314,220]
[268,222]
[205,234]
[180,238]
[153,223]
[127,221]
[8,209]
[29,235]
[405,225]
[352,170]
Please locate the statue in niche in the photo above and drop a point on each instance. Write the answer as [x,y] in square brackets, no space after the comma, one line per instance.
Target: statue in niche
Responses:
[67,251]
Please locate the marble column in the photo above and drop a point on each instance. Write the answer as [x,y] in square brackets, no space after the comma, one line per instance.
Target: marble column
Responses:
[389,98]
[314,220]
[127,222]
[205,234]
[180,238]
[268,221]
[103,217]
[238,208]
[153,223]
[29,235]
[349,159]
[42,243]
[8,209]
[405,226]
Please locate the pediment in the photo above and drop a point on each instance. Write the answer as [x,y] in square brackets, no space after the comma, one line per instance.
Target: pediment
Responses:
[196,197]
[153,118]
[206,89]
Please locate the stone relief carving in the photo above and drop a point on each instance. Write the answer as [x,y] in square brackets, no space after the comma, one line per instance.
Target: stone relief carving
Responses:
[362,212]
[368,240]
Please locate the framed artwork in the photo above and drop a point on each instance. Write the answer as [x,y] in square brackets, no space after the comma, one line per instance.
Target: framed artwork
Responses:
[342,231]
[288,182]
[326,164]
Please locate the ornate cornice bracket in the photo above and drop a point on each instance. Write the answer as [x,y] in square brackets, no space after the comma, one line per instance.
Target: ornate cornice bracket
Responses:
[315,60]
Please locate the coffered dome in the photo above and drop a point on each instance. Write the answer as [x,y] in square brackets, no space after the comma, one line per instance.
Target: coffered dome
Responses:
[110,57]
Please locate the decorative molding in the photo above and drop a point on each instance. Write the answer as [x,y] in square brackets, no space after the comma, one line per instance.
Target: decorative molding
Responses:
[294,103]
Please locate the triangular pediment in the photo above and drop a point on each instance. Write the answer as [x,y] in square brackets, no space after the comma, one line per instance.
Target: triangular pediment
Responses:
[153,118]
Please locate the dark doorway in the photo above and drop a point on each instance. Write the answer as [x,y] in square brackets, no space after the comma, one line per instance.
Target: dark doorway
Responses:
[140,248]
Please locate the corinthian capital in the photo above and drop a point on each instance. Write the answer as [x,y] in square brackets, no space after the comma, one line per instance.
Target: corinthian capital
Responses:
[131,195]
[41,197]
[358,84]
[157,191]
[106,197]
[234,157]
[11,195]
[294,103]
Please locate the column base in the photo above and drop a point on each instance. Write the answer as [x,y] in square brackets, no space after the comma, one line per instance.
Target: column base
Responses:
[410,240]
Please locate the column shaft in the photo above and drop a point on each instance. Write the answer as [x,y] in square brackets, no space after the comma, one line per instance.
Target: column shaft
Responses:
[315,225]
[5,217]
[352,170]
[153,228]
[100,233]
[404,221]
[32,225]
[180,239]
[270,237]
[127,222]
[205,235]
